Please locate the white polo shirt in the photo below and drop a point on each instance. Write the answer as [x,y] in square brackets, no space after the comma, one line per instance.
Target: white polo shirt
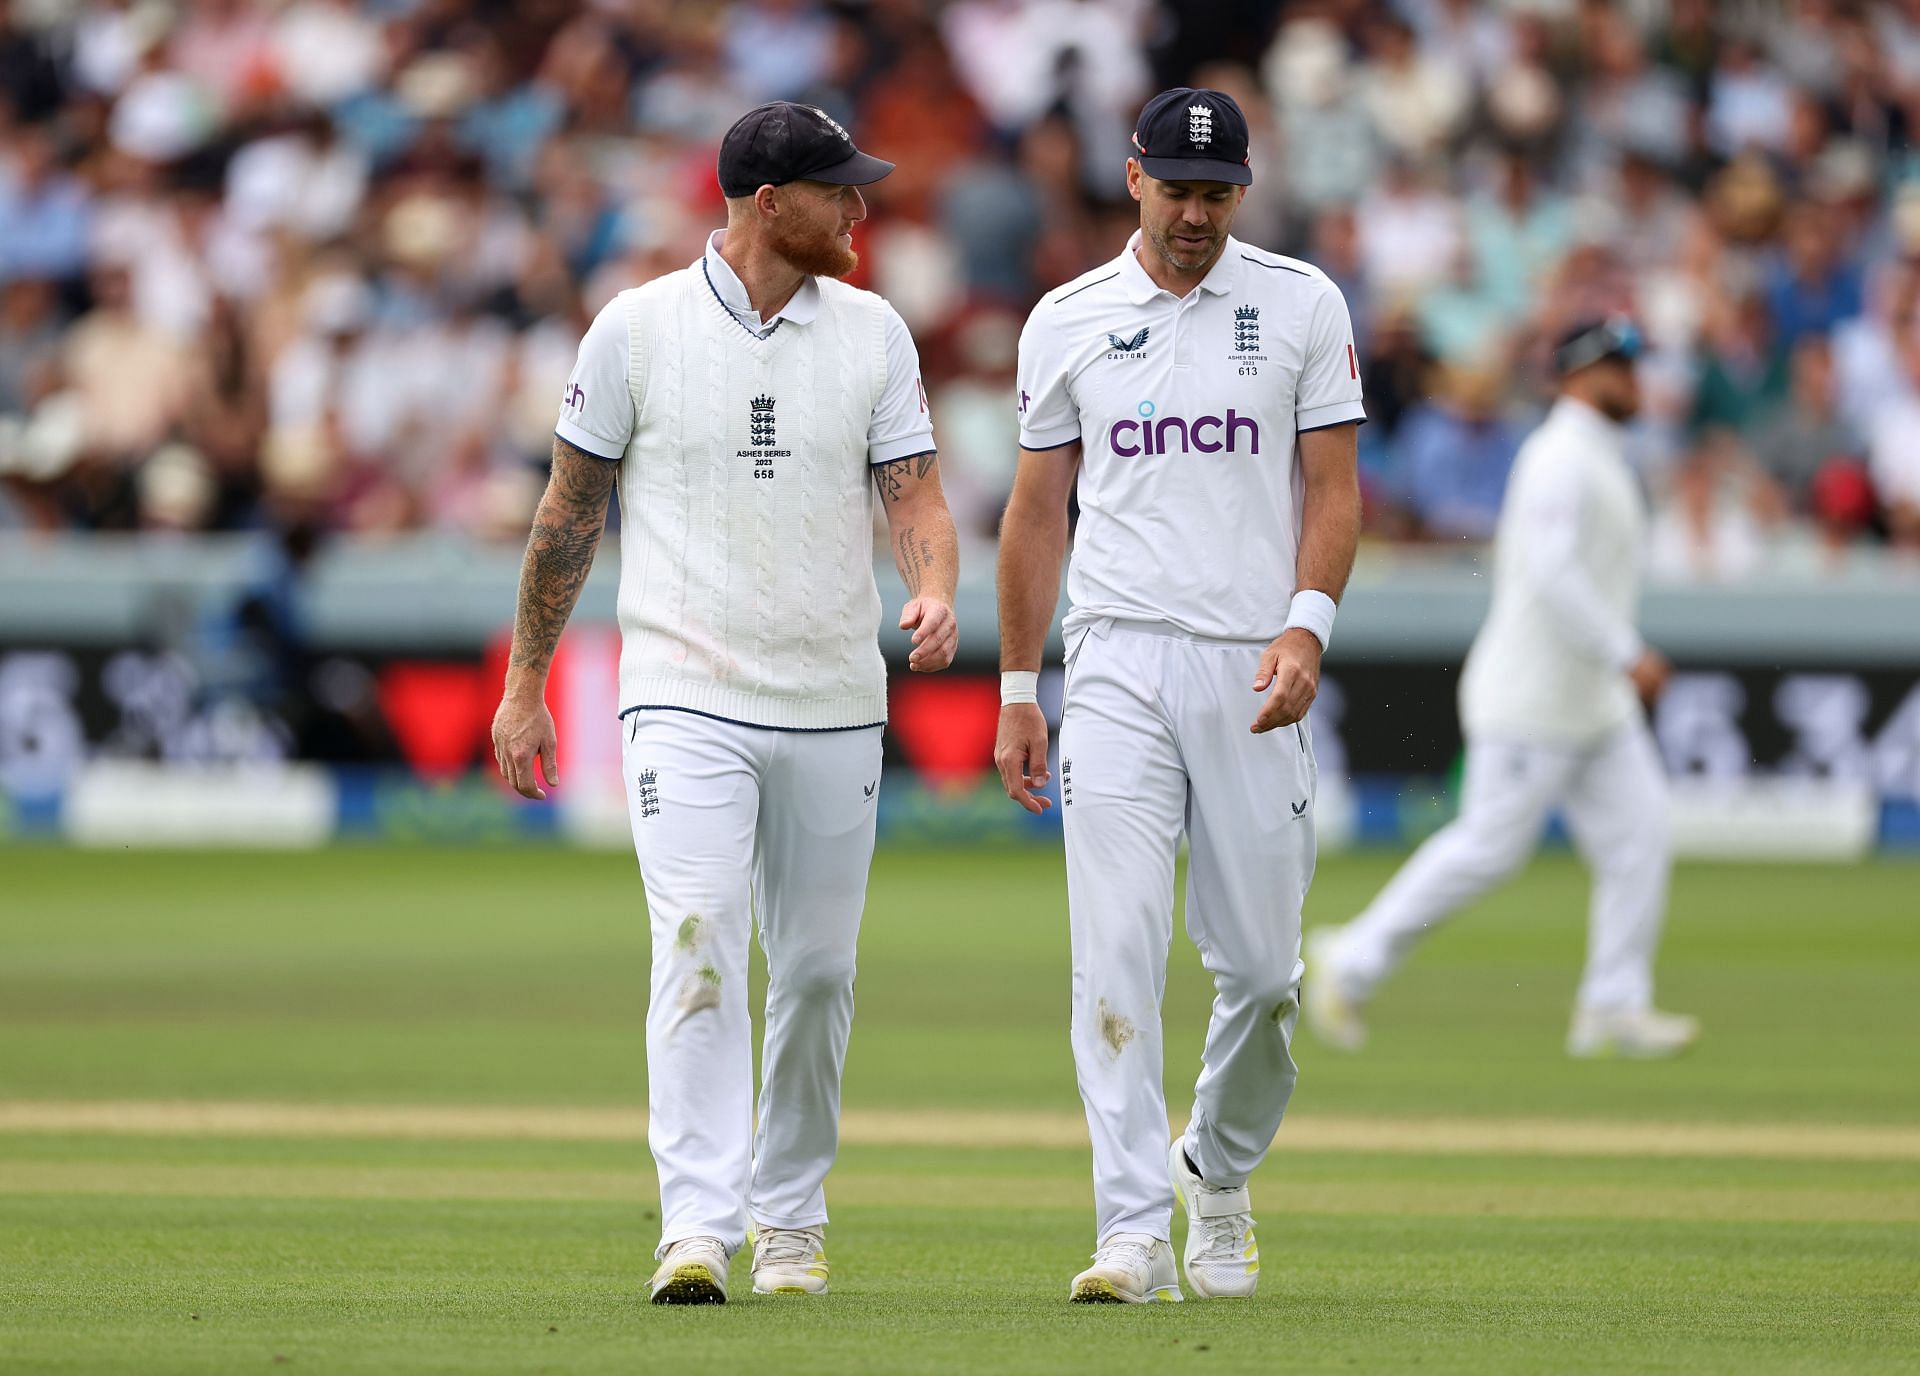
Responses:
[596,411]
[1187,409]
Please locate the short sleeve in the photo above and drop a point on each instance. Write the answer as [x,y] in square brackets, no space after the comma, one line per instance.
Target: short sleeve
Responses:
[902,423]
[1329,390]
[596,410]
[1049,417]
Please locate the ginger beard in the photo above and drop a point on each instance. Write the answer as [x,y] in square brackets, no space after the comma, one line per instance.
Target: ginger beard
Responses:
[810,240]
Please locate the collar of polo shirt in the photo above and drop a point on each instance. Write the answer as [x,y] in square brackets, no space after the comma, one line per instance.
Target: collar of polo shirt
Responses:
[1221,278]
[801,310]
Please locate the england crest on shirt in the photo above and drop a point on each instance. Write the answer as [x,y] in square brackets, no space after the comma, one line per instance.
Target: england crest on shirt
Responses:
[760,422]
[762,436]
[1246,336]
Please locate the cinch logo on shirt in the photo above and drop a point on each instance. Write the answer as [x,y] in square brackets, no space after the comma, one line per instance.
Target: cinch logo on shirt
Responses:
[1128,438]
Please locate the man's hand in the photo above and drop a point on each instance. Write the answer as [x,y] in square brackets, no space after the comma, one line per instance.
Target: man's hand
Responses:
[523,732]
[1020,754]
[1291,668]
[936,634]
[1649,675]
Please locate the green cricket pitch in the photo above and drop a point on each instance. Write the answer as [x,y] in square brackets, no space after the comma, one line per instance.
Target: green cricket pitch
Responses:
[372,1110]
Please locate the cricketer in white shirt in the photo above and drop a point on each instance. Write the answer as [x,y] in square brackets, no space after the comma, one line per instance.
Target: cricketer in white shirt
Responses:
[1550,708]
[1186,409]
[754,407]
[1205,395]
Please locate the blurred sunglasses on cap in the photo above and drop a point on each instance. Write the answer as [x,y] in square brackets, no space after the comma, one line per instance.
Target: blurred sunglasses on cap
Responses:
[1584,345]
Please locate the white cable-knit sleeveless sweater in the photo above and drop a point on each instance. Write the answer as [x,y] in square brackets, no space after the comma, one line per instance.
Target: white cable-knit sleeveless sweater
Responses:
[746,508]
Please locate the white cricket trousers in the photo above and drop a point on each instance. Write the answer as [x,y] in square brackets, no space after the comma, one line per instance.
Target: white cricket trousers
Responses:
[1614,797]
[1154,741]
[732,822]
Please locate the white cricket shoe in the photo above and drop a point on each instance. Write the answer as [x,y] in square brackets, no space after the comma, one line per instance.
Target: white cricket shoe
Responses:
[1332,1006]
[1642,1034]
[790,1261]
[694,1271]
[1129,1268]
[1222,1259]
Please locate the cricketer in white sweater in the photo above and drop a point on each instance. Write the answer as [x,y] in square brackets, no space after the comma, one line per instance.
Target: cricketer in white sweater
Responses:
[746,490]
[751,405]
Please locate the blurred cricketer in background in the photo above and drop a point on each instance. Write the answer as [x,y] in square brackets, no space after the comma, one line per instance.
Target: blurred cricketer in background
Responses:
[750,405]
[1206,395]
[1550,704]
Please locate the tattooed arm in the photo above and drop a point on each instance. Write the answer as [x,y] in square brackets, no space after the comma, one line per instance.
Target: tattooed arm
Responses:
[566,531]
[927,553]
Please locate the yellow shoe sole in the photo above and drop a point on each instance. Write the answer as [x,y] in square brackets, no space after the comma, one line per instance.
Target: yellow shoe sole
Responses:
[790,1289]
[1096,1291]
[692,1283]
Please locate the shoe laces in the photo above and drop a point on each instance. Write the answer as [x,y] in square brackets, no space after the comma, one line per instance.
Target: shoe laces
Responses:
[1223,1239]
[686,1246]
[1125,1251]
[783,1246]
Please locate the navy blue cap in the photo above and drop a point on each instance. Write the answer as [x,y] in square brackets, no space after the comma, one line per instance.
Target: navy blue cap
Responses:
[782,142]
[1191,134]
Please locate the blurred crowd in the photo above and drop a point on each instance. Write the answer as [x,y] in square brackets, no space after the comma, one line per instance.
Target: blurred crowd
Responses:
[289,263]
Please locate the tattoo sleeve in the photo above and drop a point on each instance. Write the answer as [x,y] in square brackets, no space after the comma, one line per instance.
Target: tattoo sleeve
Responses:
[566,531]
[894,478]
[925,547]
[911,554]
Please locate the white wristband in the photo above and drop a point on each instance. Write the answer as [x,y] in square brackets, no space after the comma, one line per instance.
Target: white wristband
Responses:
[1019,685]
[1311,610]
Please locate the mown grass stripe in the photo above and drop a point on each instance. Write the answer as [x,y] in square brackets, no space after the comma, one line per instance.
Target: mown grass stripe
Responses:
[908,1189]
[957,1127]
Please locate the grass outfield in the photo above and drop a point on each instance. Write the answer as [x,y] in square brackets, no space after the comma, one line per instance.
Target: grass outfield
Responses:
[1753,1207]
